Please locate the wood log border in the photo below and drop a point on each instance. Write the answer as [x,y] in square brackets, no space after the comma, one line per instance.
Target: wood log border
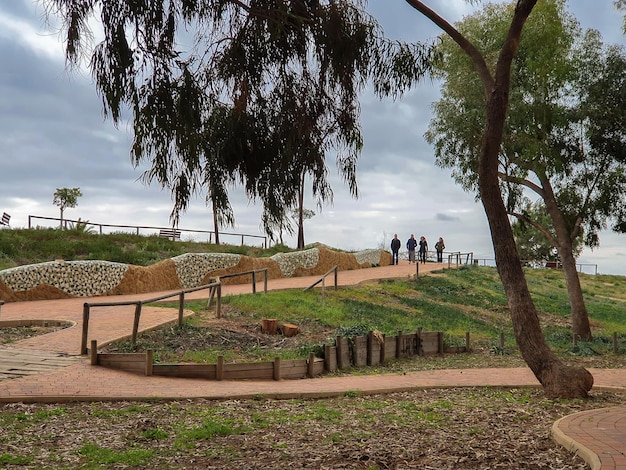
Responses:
[359,351]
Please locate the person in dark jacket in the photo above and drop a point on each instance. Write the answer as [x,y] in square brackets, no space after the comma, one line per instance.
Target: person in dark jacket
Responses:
[439,247]
[395,248]
[411,243]
[423,249]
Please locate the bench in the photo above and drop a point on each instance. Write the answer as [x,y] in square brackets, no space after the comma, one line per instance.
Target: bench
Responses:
[5,219]
[170,233]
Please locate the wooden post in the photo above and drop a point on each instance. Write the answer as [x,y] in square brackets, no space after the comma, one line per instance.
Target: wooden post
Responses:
[382,350]
[254,282]
[418,335]
[277,368]
[467,341]
[181,308]
[265,281]
[310,364]
[219,368]
[211,296]
[149,361]
[336,283]
[615,345]
[218,305]
[136,321]
[340,362]
[440,342]
[398,345]
[83,340]
[370,339]
[330,358]
[93,353]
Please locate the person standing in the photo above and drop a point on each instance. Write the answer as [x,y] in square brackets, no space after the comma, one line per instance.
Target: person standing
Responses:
[439,247]
[395,248]
[411,243]
[423,249]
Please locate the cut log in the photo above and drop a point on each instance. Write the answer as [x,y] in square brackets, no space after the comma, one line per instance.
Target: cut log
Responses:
[268,326]
[289,330]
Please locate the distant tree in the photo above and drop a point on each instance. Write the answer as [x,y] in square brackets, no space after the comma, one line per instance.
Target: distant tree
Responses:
[64,198]
[543,150]
[535,236]
[492,70]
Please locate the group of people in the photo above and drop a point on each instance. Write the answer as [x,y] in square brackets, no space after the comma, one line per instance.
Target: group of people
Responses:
[412,245]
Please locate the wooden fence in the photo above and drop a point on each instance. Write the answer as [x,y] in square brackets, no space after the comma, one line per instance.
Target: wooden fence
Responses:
[215,290]
[358,351]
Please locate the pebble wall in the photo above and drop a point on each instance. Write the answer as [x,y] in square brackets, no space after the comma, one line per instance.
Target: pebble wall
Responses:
[93,278]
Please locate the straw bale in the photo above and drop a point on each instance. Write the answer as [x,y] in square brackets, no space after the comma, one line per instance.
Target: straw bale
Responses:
[41,292]
[385,258]
[6,293]
[160,276]
[246,263]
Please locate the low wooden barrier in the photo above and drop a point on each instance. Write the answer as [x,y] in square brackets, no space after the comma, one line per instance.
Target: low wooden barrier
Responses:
[358,351]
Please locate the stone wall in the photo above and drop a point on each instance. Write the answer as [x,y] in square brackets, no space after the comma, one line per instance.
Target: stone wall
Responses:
[64,279]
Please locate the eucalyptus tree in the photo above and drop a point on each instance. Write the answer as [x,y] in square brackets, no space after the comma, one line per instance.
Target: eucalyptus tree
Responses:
[64,198]
[490,80]
[535,236]
[285,76]
[542,151]
[262,89]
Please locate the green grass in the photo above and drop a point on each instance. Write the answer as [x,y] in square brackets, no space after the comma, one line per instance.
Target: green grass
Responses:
[30,246]
[453,301]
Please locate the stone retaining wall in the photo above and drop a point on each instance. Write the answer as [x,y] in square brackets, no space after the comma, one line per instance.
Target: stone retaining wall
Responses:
[64,279]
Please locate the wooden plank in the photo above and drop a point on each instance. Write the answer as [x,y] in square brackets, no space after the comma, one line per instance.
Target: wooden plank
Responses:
[330,358]
[430,342]
[390,347]
[360,350]
[189,371]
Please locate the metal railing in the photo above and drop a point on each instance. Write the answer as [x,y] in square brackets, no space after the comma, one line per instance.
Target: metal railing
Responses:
[64,223]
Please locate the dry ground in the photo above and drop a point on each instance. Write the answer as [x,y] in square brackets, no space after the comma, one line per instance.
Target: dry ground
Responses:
[427,429]
[477,428]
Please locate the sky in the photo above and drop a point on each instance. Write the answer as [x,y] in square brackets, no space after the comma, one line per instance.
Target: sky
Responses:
[53,134]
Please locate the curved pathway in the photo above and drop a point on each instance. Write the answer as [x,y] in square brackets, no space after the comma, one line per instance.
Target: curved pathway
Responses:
[599,436]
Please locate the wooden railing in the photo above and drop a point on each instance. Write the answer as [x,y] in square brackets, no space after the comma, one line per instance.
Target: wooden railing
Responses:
[87,306]
[64,223]
[215,289]
[322,279]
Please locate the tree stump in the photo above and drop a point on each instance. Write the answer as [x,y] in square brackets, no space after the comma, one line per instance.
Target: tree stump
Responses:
[268,326]
[289,329]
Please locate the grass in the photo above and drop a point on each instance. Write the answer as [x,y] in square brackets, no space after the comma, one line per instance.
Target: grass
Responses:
[30,246]
[468,299]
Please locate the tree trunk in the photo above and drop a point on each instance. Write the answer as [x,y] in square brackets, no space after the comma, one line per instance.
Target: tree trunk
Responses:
[301,214]
[557,379]
[61,220]
[216,226]
[580,316]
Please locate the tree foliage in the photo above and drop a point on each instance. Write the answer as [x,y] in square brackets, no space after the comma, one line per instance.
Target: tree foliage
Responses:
[64,198]
[247,92]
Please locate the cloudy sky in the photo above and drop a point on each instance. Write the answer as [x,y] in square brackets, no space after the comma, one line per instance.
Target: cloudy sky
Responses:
[53,135]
